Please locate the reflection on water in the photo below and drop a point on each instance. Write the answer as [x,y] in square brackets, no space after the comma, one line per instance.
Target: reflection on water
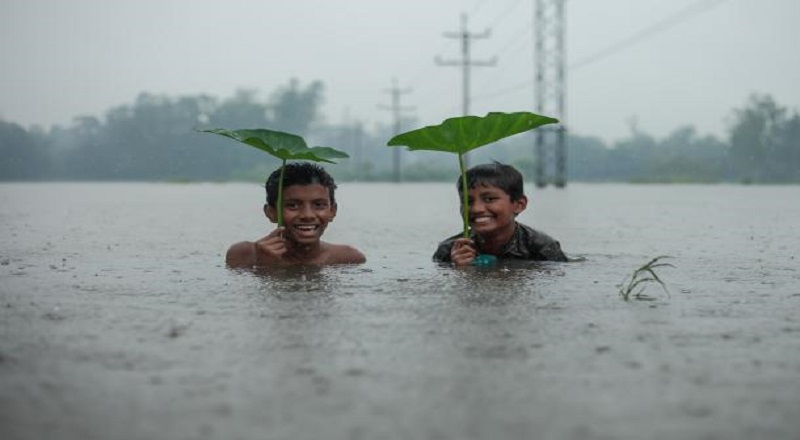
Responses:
[501,284]
[109,296]
[291,278]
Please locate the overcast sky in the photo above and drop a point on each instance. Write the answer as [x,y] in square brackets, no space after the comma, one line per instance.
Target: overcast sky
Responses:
[660,63]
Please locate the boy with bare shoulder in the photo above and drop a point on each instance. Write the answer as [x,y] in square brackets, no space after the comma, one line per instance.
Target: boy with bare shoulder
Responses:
[308,206]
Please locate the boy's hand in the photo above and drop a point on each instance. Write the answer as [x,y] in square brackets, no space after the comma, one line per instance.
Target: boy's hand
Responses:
[463,252]
[271,248]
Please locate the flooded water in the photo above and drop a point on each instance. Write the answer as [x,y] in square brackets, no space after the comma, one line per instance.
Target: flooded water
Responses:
[119,320]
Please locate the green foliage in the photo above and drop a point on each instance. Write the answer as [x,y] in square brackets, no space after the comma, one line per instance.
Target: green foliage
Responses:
[293,109]
[23,158]
[765,142]
[284,146]
[465,133]
[635,284]
[151,139]
[243,109]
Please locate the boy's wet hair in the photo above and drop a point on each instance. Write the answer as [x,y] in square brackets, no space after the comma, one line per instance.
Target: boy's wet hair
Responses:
[299,173]
[495,174]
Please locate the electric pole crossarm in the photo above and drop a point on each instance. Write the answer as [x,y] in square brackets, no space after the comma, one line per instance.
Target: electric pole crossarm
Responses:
[442,62]
[466,62]
[489,63]
[485,34]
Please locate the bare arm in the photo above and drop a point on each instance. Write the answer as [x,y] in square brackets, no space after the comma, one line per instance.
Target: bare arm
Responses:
[266,251]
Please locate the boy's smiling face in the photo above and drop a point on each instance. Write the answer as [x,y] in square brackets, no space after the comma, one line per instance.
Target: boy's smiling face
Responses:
[491,210]
[307,210]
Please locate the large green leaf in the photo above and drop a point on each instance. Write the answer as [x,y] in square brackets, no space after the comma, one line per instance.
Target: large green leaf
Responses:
[285,146]
[462,134]
[465,133]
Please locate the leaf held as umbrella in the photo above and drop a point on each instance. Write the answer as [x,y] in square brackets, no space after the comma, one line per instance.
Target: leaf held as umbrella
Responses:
[462,134]
[284,146]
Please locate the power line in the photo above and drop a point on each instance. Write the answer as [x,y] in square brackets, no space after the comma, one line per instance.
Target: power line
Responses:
[422,71]
[478,5]
[505,13]
[516,38]
[421,74]
[466,62]
[638,37]
[505,90]
[515,44]
[654,29]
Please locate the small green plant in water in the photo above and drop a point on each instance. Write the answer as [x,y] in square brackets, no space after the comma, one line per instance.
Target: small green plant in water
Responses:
[465,133]
[635,284]
[284,146]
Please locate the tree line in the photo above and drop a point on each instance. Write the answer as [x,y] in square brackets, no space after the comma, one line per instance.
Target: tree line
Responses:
[154,139]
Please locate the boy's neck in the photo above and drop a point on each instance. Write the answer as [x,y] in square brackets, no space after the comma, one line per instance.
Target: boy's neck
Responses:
[495,243]
[302,253]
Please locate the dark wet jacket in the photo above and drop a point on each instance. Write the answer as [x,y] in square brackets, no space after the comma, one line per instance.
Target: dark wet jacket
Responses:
[526,244]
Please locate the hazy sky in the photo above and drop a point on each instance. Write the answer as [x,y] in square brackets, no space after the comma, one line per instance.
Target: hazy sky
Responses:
[661,63]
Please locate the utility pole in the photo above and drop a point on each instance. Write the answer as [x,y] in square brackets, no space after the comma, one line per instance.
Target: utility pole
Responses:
[466,62]
[550,85]
[396,108]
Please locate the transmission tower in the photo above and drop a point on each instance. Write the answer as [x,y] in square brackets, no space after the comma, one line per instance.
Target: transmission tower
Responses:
[466,62]
[550,91]
[396,110]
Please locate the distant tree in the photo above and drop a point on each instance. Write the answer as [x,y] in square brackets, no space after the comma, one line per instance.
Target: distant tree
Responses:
[74,148]
[153,139]
[294,109]
[240,111]
[630,159]
[683,156]
[588,159]
[788,149]
[23,158]
[765,141]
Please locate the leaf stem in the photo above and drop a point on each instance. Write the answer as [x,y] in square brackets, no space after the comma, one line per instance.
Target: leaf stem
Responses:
[280,195]
[464,195]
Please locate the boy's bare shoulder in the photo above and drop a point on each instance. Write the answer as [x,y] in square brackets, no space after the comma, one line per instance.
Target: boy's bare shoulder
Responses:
[345,254]
[241,254]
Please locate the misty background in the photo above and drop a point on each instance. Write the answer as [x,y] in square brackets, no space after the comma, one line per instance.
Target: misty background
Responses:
[657,91]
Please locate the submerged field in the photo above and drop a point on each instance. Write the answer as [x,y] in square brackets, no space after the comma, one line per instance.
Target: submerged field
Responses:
[118,319]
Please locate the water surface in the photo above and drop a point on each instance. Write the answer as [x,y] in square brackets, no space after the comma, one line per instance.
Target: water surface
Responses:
[119,320]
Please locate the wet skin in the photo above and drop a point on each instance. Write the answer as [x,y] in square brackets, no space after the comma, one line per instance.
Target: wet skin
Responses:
[306,214]
[307,210]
